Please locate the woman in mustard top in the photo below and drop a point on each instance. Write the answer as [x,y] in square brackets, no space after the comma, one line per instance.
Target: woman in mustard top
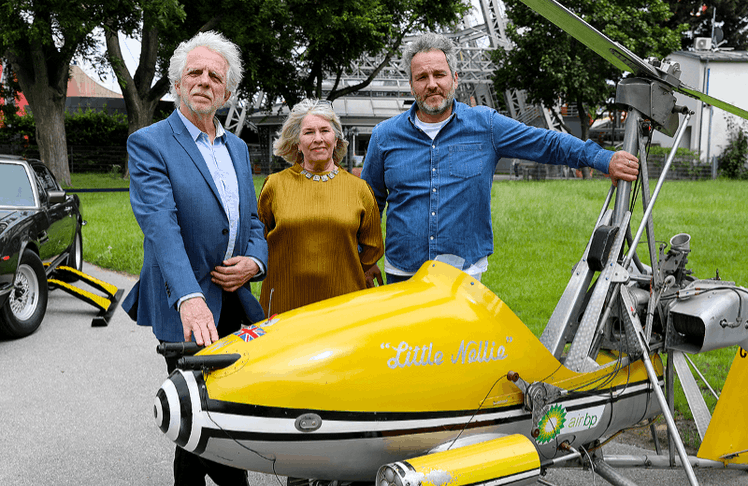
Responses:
[321,223]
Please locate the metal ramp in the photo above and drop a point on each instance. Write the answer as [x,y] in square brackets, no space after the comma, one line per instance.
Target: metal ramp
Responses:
[106,303]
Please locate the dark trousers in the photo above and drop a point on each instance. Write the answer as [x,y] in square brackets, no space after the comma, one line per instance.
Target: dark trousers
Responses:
[396,278]
[190,469]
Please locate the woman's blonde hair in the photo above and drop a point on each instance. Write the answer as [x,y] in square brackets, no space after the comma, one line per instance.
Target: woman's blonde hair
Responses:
[287,143]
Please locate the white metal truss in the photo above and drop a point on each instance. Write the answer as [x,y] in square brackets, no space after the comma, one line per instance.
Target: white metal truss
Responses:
[495,23]
[474,65]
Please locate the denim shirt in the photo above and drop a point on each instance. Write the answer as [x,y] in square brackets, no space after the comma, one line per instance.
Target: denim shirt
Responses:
[438,192]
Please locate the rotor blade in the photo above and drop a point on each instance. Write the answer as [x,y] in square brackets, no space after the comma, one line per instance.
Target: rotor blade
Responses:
[611,51]
[615,53]
[710,100]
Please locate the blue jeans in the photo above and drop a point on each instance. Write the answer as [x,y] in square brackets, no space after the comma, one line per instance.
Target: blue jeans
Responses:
[396,278]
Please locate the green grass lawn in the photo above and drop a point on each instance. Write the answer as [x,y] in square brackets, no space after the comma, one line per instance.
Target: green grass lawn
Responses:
[540,231]
[542,228]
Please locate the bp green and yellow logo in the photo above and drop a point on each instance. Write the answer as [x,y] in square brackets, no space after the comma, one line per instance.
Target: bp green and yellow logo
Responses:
[551,424]
[558,420]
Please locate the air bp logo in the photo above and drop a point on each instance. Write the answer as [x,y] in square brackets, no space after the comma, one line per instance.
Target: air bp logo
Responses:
[558,420]
[551,424]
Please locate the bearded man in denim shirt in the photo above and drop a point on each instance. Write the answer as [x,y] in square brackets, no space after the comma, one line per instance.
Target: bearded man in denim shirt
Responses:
[433,165]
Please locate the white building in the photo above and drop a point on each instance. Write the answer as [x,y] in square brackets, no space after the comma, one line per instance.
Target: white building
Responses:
[722,75]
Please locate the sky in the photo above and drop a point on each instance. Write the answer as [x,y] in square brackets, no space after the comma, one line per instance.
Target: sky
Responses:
[130,51]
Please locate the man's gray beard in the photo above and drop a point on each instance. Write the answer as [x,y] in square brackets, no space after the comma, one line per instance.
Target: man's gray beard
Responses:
[443,106]
[201,111]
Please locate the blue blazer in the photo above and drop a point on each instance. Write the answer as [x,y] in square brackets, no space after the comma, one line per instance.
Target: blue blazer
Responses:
[176,204]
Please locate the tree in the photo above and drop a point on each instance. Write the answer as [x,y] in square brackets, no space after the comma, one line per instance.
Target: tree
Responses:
[300,43]
[160,27]
[264,33]
[40,39]
[733,162]
[731,18]
[342,34]
[289,47]
[552,66]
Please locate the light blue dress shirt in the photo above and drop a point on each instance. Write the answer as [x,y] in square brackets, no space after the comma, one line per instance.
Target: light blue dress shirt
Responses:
[218,160]
[217,157]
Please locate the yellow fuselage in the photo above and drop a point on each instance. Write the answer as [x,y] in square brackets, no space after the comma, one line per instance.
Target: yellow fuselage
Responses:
[338,388]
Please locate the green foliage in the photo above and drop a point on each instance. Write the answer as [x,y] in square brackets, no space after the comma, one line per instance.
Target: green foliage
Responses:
[83,127]
[732,18]
[90,127]
[160,26]
[40,39]
[290,47]
[18,129]
[9,90]
[551,65]
[662,152]
[685,165]
[733,162]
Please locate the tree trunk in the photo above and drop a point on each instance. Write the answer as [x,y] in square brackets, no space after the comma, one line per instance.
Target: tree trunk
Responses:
[46,91]
[141,99]
[49,116]
[139,114]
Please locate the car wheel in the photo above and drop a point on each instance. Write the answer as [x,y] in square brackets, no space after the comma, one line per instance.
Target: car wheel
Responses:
[23,312]
[75,259]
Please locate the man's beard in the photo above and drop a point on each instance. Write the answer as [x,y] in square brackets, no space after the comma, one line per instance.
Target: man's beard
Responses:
[441,107]
[204,109]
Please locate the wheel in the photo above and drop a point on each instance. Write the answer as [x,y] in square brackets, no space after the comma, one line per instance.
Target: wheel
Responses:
[23,312]
[75,259]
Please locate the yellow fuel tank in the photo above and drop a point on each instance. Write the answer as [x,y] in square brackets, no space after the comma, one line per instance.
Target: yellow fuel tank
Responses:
[506,460]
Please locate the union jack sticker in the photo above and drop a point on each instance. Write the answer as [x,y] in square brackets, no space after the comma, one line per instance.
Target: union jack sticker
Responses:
[250,333]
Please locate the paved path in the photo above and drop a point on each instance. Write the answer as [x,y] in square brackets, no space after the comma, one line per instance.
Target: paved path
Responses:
[77,401]
[77,406]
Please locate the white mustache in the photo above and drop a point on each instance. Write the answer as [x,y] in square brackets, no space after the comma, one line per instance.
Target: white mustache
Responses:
[202,93]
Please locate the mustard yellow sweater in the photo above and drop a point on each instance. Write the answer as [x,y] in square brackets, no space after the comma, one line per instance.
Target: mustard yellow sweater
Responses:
[314,230]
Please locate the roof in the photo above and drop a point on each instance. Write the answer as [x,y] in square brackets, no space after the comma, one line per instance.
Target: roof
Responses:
[81,85]
[715,56]
[362,112]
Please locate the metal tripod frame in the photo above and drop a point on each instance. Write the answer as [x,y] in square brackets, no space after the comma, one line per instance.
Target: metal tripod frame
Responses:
[656,100]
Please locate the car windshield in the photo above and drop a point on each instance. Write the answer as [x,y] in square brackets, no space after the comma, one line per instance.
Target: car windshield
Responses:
[15,187]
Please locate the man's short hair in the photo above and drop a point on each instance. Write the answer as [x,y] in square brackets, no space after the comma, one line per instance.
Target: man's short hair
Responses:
[430,42]
[217,43]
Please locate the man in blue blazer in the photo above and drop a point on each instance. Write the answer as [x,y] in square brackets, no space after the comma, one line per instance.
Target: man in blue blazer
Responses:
[192,194]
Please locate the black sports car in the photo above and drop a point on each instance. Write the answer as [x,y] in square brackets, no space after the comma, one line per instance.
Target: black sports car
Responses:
[40,229]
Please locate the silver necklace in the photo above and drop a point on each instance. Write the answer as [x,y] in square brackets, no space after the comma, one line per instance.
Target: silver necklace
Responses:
[320,178]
